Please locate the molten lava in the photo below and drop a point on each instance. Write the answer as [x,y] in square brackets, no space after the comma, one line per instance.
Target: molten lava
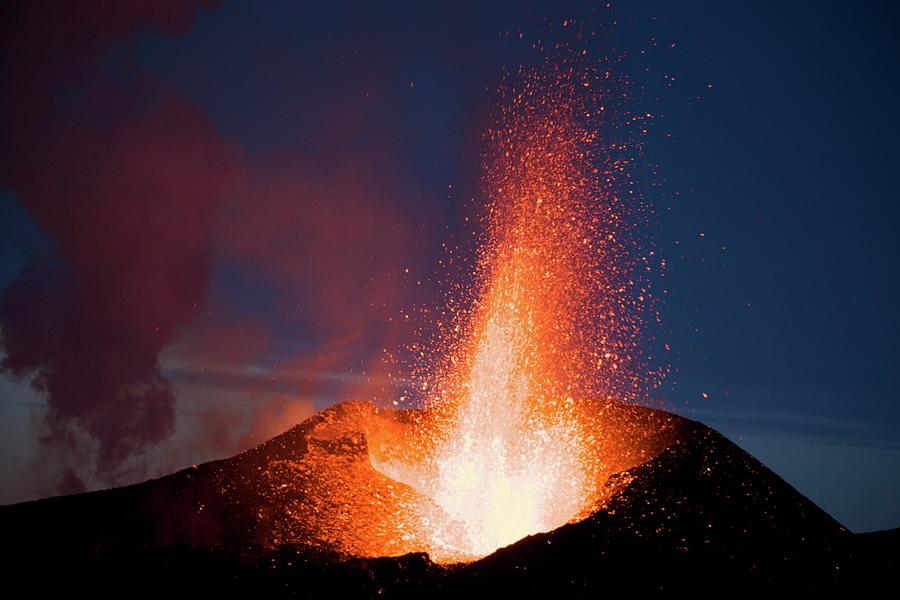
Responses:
[507,443]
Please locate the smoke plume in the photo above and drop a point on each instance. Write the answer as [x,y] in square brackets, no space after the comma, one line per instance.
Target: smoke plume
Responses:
[124,175]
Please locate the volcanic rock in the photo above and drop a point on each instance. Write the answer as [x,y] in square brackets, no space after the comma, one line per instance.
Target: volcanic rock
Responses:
[696,513]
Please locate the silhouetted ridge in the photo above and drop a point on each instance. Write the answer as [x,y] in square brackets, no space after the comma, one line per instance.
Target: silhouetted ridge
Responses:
[700,514]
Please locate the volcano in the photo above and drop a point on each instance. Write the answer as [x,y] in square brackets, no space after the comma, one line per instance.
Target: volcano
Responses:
[515,459]
[686,510]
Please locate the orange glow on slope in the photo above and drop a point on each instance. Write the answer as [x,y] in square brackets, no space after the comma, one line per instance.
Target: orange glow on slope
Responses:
[508,444]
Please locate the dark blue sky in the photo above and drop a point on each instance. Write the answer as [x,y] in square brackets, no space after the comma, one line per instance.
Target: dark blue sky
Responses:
[771,164]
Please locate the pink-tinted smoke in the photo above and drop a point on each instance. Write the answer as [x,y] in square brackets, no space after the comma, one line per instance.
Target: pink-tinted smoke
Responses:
[125,176]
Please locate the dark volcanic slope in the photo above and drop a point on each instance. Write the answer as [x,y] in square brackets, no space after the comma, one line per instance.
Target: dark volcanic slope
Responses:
[702,514]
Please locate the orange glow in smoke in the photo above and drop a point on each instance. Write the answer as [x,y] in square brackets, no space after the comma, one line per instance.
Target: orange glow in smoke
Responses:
[508,443]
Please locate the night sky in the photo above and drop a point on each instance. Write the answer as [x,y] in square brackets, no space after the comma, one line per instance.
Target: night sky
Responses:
[220,218]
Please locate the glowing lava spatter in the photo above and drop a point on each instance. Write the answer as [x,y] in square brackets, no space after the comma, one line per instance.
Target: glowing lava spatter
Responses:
[553,321]
[521,427]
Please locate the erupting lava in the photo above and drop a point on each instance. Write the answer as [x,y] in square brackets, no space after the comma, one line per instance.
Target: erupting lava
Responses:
[508,443]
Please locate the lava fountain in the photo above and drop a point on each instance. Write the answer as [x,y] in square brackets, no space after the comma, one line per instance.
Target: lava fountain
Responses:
[552,321]
[519,431]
